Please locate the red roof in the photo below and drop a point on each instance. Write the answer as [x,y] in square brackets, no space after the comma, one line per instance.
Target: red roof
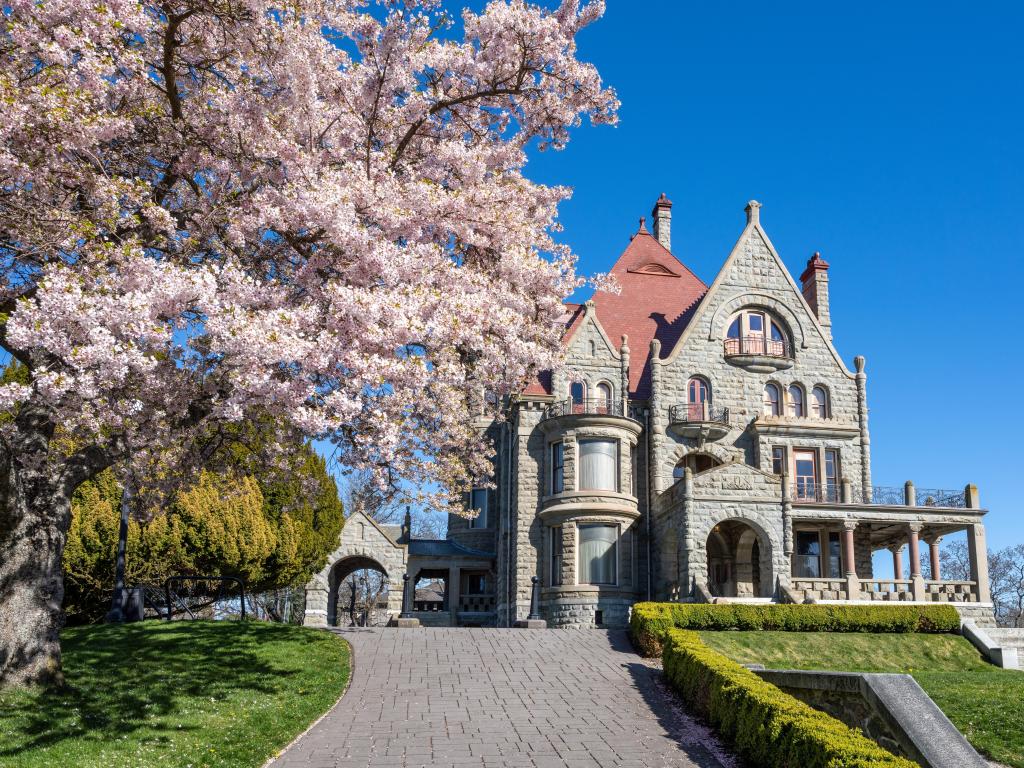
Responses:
[657,299]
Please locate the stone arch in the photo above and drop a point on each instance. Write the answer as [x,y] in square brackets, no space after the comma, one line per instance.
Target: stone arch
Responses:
[723,454]
[362,542]
[340,571]
[747,553]
[720,319]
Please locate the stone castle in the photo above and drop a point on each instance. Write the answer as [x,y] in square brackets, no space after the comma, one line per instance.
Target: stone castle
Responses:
[703,443]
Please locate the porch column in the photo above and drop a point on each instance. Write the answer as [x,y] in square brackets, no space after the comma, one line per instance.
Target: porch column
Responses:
[978,554]
[453,594]
[916,580]
[850,561]
[933,556]
[897,561]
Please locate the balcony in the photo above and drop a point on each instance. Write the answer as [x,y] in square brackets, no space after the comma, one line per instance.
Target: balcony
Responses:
[591,406]
[699,420]
[813,492]
[758,354]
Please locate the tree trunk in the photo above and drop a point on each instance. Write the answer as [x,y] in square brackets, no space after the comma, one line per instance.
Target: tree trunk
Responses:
[32,580]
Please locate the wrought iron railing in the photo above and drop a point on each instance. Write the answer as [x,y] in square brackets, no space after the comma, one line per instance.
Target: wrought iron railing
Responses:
[810,491]
[688,413]
[586,406]
[757,345]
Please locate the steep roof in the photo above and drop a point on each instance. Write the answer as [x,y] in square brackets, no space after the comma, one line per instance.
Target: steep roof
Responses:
[657,299]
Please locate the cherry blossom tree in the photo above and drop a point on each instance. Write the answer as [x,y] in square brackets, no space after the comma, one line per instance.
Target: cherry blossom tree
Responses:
[215,210]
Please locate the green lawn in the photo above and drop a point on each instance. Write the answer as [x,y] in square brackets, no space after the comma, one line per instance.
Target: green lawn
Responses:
[984,702]
[190,694]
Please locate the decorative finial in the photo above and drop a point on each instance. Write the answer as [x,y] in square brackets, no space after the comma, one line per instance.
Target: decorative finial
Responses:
[643,224]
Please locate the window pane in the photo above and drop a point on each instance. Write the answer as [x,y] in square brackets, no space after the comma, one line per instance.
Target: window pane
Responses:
[556,556]
[808,550]
[604,398]
[796,401]
[734,329]
[598,465]
[557,466]
[820,403]
[835,553]
[771,400]
[577,391]
[779,460]
[755,323]
[597,554]
[479,501]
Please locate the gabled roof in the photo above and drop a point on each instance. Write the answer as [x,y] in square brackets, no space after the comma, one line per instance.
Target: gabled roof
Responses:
[657,299]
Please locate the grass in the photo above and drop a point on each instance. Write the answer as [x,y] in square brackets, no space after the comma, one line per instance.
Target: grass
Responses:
[190,694]
[984,702]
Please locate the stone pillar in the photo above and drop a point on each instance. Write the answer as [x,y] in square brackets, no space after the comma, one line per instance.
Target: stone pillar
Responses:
[624,374]
[453,594]
[916,579]
[862,418]
[971,499]
[846,491]
[686,552]
[909,494]
[978,554]
[316,606]
[850,561]
[897,561]
[933,556]
[658,417]
[787,519]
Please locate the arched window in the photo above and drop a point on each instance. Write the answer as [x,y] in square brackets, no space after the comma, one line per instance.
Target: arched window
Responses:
[698,398]
[796,401]
[578,395]
[819,402]
[756,332]
[772,400]
[603,396]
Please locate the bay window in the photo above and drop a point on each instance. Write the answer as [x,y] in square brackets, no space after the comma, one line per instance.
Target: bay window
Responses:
[598,551]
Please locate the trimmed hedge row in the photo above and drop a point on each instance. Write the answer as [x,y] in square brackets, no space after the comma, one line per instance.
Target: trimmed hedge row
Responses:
[765,725]
[650,621]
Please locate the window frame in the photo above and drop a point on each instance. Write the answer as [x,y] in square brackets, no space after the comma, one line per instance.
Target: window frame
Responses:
[602,400]
[556,454]
[779,459]
[613,557]
[557,556]
[616,480]
[483,514]
[820,408]
[771,407]
[792,406]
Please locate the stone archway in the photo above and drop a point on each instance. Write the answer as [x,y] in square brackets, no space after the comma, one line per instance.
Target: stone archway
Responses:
[362,544]
[338,584]
[735,565]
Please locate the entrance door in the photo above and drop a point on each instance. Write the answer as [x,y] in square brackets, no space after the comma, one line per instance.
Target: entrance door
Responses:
[806,471]
[697,407]
[755,333]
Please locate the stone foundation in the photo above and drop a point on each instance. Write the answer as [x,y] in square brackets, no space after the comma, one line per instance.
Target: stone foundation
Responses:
[575,607]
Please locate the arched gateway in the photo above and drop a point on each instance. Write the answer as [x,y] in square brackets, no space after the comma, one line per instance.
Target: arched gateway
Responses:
[736,567]
[363,544]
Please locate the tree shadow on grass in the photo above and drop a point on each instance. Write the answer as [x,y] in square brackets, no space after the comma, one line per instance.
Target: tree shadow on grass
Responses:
[125,679]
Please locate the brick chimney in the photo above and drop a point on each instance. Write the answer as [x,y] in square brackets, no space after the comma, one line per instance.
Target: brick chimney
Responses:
[662,215]
[815,288]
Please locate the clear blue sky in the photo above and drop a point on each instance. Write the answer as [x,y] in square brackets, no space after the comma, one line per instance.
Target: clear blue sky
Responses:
[886,135]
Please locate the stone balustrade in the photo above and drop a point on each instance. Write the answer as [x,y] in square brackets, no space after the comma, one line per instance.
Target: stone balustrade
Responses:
[884,590]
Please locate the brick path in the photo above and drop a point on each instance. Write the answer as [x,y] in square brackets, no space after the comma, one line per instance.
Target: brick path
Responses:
[503,698]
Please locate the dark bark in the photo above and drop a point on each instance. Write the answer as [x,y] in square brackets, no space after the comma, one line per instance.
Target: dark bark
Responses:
[35,514]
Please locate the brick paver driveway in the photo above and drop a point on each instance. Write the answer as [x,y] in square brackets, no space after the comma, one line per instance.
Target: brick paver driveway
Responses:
[503,697]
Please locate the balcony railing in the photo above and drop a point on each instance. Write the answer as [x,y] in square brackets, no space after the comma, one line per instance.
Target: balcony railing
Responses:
[588,406]
[698,413]
[810,492]
[757,345]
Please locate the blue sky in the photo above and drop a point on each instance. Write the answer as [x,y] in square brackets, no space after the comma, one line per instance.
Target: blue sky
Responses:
[887,136]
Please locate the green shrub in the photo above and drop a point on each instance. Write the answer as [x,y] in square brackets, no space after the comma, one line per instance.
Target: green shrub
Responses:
[650,621]
[766,726]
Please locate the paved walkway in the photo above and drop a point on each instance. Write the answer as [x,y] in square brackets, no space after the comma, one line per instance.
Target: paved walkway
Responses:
[503,698]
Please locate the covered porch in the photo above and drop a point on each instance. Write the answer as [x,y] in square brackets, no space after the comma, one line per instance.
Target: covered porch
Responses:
[833,542]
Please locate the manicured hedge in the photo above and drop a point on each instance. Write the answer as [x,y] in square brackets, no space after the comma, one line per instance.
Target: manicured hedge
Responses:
[650,621]
[766,726]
